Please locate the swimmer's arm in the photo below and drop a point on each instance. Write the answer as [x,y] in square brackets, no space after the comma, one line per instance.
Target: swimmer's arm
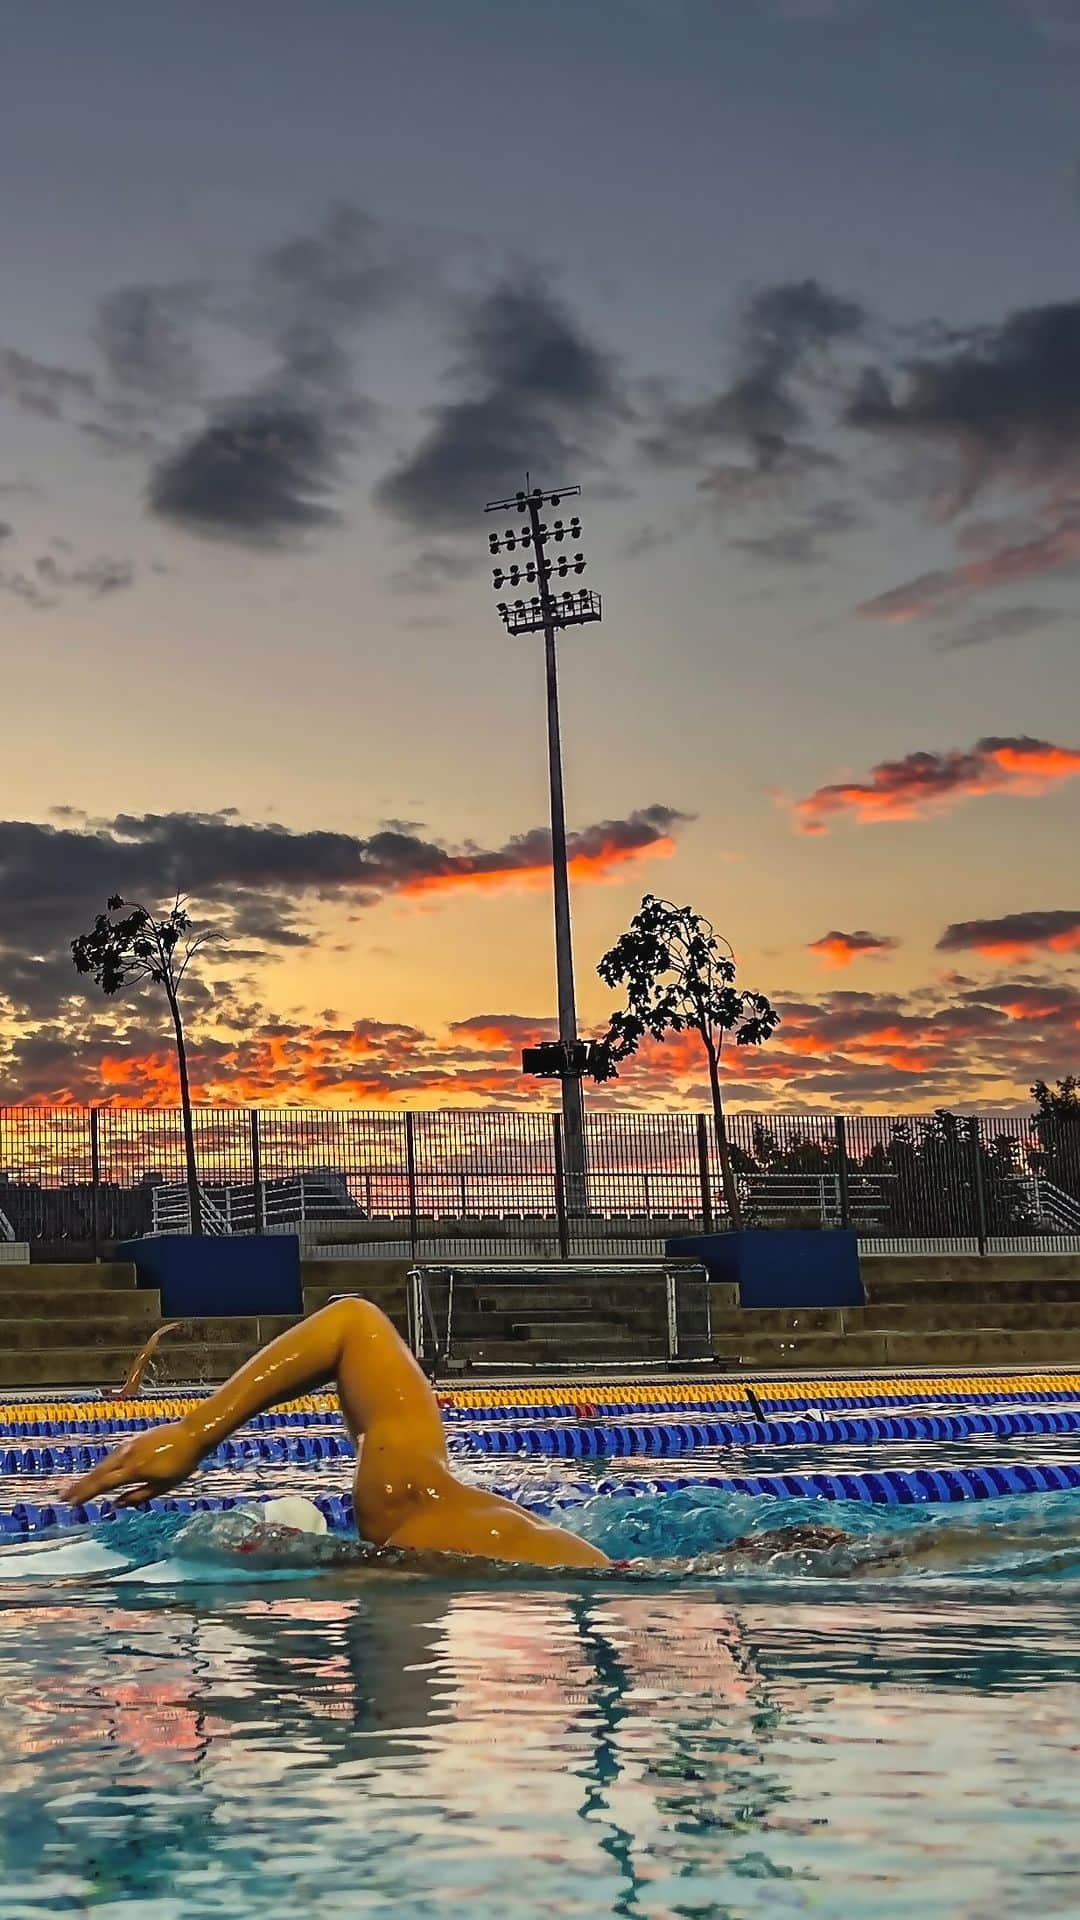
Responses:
[297,1362]
[305,1357]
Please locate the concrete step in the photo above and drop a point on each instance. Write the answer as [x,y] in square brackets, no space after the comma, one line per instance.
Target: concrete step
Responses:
[393,1305]
[110,1330]
[753,1322]
[373,1278]
[963,1316]
[1041,1291]
[33,1335]
[67,1276]
[797,1350]
[551,1352]
[903,1316]
[915,1269]
[315,1298]
[951,1351]
[574,1327]
[986,1348]
[137,1308]
[105,1367]
[475,1324]
[608,1296]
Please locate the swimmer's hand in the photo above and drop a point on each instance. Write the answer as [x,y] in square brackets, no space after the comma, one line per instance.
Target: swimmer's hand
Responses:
[151,1463]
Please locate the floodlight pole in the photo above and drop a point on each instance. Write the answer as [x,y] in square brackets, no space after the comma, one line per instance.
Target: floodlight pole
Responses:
[573,1103]
[545,613]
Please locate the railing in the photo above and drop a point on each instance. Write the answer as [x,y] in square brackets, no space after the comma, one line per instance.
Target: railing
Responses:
[171,1213]
[466,1184]
[276,1206]
[1049,1206]
[7,1231]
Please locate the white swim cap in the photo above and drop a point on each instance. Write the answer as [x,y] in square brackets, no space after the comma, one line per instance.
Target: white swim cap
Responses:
[291,1510]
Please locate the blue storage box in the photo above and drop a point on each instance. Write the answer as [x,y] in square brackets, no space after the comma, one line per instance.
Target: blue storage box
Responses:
[781,1267]
[208,1276]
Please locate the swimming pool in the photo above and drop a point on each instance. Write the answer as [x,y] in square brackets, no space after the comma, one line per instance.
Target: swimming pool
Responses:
[800,1736]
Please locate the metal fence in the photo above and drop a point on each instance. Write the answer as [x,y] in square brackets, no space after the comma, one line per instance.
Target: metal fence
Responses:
[482,1183]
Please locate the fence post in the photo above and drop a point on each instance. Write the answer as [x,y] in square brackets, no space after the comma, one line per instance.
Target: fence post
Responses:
[978,1183]
[95,1184]
[703,1172]
[410,1174]
[842,1171]
[258,1193]
[560,1188]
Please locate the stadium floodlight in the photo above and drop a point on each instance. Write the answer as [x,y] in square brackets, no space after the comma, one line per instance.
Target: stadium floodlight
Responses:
[549,613]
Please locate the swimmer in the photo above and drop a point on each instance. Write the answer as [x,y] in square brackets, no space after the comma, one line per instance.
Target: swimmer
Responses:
[404,1492]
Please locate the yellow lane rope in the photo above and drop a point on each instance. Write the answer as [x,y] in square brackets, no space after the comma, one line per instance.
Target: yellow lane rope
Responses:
[585,1393]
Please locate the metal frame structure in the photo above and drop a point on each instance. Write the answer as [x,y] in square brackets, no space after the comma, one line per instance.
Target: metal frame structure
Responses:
[434,1348]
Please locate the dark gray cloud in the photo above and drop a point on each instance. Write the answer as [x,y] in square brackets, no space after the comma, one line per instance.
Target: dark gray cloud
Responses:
[317,288]
[1057,20]
[262,470]
[1004,399]
[144,336]
[260,475]
[50,578]
[803,542]
[21,586]
[646,540]
[36,387]
[254,882]
[1007,623]
[783,333]
[811,12]
[535,391]
[6,530]
[784,546]
[432,569]
[784,475]
[115,437]
[96,577]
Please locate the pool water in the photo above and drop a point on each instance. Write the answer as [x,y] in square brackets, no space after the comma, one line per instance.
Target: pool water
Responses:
[813,1735]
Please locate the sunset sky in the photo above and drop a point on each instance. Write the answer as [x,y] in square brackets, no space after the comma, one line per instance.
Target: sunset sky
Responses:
[789,287]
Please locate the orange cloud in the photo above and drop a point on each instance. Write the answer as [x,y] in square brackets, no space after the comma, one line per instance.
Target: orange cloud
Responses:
[1015,936]
[597,855]
[921,783]
[840,949]
[938,593]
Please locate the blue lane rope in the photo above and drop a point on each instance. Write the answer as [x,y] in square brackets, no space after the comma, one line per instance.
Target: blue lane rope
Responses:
[671,1436]
[890,1487]
[292,1448]
[778,1404]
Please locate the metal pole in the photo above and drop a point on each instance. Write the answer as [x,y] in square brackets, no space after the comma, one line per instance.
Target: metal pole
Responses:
[560,1189]
[842,1172]
[95,1183]
[410,1168]
[703,1173]
[572,1100]
[978,1184]
[258,1192]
